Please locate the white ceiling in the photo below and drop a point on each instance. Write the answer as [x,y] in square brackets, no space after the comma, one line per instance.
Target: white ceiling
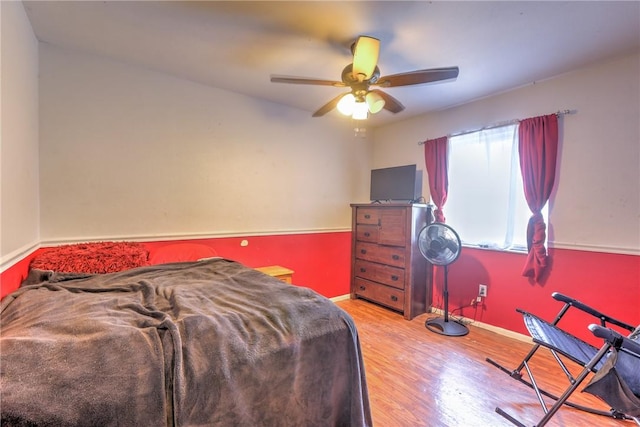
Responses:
[238,45]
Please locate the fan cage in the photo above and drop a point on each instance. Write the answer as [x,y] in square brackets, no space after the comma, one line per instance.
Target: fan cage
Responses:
[439,243]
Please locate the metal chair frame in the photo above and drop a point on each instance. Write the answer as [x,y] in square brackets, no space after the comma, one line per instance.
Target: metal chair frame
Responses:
[578,351]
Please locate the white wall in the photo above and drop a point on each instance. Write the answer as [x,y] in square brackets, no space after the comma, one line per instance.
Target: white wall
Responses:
[128,152]
[19,209]
[596,205]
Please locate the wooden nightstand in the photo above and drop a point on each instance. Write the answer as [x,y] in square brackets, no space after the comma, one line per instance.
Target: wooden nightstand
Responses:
[278,272]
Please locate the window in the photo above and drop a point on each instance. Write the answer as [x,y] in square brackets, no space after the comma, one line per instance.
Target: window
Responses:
[485,202]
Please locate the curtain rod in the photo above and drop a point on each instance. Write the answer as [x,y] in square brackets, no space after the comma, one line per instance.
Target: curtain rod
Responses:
[497,125]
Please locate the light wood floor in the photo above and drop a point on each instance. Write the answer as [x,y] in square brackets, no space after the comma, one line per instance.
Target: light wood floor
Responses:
[420,378]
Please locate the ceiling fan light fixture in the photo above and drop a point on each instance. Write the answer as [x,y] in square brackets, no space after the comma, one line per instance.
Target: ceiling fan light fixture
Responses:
[360,111]
[374,102]
[362,75]
[347,104]
[365,57]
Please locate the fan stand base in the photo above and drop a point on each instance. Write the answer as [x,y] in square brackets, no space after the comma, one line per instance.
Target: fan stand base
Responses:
[448,327]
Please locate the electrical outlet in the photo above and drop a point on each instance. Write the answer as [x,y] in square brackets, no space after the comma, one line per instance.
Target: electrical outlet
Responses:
[482,290]
[478,299]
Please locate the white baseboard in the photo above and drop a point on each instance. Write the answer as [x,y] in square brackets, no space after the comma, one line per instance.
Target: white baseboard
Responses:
[340,298]
[498,330]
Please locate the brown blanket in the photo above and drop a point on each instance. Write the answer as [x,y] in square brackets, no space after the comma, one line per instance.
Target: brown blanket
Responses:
[207,343]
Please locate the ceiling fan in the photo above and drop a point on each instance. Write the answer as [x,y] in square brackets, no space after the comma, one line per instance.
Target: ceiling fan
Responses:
[363,74]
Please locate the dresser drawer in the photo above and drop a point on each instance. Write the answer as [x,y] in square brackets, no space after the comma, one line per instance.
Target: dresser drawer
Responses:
[390,255]
[367,216]
[367,233]
[385,274]
[386,295]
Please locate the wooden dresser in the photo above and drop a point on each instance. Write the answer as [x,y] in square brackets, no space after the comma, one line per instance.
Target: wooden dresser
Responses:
[386,265]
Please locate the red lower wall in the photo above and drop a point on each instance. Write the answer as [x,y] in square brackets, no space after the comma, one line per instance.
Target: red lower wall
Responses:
[11,278]
[605,281]
[321,261]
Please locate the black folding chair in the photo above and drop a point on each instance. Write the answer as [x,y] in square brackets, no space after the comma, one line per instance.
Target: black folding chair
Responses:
[616,364]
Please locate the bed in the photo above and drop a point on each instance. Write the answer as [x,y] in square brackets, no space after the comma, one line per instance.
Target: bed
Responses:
[201,343]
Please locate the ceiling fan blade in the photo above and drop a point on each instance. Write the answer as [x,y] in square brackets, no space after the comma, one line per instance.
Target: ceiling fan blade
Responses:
[418,77]
[365,57]
[306,81]
[390,103]
[329,106]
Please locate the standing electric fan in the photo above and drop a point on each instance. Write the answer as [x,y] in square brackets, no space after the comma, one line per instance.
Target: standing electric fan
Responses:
[441,246]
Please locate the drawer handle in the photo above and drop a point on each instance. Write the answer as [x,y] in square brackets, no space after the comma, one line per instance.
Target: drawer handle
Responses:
[367,234]
[363,270]
[363,251]
[367,216]
[395,257]
[394,278]
[394,298]
[363,288]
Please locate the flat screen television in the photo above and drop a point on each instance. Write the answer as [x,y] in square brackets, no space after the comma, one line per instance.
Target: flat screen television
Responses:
[396,183]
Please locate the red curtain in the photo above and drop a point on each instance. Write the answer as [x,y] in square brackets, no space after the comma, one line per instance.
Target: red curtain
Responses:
[538,150]
[435,157]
